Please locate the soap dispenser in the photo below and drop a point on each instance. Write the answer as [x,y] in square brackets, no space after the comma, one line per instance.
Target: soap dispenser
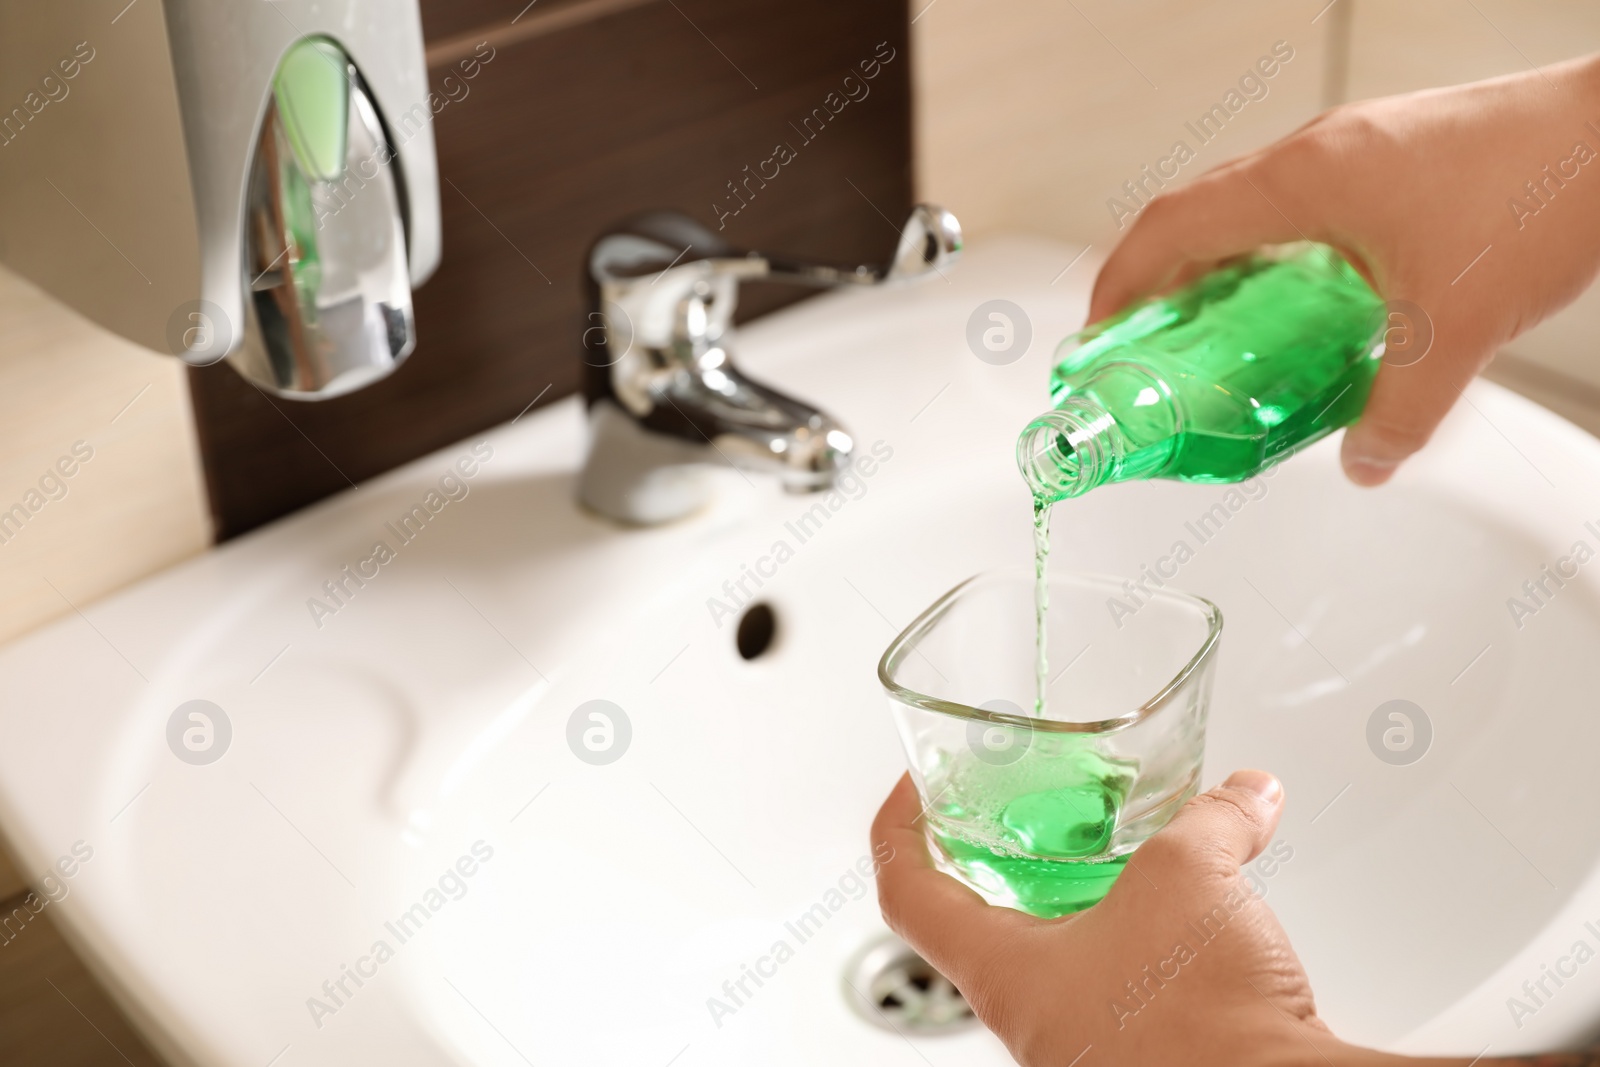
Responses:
[217,179]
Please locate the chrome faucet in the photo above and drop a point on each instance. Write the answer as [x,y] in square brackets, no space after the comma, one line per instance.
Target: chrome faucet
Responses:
[665,398]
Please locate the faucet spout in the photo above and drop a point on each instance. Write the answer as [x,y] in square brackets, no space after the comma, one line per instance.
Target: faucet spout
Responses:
[665,396]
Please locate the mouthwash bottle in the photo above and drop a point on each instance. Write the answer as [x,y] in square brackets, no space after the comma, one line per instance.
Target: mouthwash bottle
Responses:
[1212,383]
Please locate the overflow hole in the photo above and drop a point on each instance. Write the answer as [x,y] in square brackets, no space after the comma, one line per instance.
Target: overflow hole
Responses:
[758,628]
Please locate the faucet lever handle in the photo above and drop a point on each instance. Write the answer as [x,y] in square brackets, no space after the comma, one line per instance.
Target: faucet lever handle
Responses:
[658,243]
[929,242]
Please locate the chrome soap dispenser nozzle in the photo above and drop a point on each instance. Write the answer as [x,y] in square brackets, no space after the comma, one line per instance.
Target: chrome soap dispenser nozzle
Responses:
[325,265]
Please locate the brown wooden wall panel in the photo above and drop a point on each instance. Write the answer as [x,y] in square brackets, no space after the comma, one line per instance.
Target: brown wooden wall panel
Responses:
[602,110]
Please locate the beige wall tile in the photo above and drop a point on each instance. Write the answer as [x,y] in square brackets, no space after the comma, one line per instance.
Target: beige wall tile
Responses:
[1420,44]
[135,507]
[1031,116]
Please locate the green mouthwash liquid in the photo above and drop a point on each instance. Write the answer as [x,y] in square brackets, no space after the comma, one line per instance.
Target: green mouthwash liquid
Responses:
[1033,833]
[1212,383]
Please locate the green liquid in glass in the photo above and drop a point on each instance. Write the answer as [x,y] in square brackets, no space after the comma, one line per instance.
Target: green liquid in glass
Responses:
[1214,382]
[1046,888]
[1035,831]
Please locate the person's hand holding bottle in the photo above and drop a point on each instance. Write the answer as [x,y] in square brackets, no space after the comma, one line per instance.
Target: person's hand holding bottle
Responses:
[1418,192]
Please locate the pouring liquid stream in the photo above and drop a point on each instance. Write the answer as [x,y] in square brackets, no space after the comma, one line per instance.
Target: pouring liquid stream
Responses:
[1041,600]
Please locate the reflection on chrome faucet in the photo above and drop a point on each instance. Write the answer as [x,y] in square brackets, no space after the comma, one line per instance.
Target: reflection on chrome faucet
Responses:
[665,397]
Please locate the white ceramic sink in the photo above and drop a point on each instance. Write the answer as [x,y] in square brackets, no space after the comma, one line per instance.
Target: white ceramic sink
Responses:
[430,715]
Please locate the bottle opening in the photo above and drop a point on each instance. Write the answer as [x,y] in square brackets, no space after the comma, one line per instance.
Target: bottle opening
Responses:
[1065,452]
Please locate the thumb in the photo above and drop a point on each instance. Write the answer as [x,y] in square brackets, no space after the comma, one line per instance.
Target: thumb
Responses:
[1225,828]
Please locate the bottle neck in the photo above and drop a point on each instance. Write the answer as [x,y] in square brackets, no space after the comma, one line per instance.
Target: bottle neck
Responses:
[1070,450]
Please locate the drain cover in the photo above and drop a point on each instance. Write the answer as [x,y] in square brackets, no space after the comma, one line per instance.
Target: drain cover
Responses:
[889,985]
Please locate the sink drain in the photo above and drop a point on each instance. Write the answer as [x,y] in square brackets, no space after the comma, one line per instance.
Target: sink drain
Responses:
[889,985]
[758,628]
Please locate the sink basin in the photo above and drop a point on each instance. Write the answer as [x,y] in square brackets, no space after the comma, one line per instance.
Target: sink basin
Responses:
[406,854]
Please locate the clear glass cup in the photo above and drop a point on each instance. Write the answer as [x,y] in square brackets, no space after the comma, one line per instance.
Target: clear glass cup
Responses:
[1040,812]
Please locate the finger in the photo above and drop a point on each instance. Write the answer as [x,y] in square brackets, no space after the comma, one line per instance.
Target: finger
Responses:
[949,924]
[1408,403]
[1229,826]
[1224,213]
